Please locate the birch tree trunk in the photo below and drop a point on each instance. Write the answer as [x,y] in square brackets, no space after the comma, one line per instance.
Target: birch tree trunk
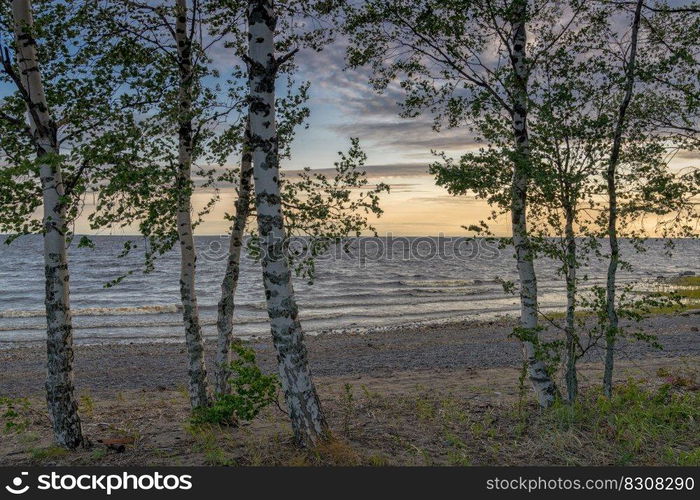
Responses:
[60,397]
[224,321]
[570,375]
[610,175]
[198,387]
[539,378]
[308,421]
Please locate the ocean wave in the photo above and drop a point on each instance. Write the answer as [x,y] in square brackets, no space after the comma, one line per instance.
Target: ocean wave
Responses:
[97,311]
[427,292]
[253,306]
[162,324]
[444,283]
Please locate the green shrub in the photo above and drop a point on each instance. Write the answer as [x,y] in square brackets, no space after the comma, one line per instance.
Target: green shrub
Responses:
[13,414]
[251,391]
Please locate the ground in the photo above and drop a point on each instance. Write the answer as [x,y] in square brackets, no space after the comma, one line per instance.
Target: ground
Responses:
[447,395]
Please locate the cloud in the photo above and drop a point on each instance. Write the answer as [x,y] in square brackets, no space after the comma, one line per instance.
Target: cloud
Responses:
[408,135]
[376,171]
[688,155]
[361,111]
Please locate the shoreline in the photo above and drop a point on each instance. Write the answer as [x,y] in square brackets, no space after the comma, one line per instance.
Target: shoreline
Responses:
[481,344]
[162,323]
[351,329]
[478,319]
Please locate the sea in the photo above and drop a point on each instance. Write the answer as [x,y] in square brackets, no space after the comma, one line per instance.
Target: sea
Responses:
[367,284]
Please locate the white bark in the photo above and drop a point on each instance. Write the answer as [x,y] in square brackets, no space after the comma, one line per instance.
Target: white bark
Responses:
[198,387]
[610,175]
[62,405]
[307,418]
[233,266]
[539,378]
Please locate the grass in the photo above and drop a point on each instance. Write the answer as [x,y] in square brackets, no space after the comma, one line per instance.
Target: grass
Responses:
[208,442]
[649,421]
[336,452]
[13,414]
[99,453]
[86,404]
[631,427]
[47,454]
[685,287]
[689,303]
[687,281]
[690,294]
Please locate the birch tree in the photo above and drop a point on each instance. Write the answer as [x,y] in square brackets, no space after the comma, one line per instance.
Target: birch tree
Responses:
[63,407]
[568,150]
[184,35]
[541,380]
[627,129]
[568,162]
[471,64]
[318,212]
[226,305]
[307,417]
[56,129]
[610,176]
[656,64]
[189,112]
[577,133]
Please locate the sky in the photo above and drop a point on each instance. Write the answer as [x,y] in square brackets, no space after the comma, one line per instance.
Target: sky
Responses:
[343,105]
[398,150]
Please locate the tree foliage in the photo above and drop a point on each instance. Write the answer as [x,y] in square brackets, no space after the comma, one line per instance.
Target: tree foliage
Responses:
[85,72]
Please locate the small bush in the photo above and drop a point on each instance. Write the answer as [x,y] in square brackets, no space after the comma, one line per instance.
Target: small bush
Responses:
[251,391]
[13,414]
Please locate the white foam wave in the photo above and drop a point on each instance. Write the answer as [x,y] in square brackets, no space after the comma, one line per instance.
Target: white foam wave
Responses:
[443,283]
[96,311]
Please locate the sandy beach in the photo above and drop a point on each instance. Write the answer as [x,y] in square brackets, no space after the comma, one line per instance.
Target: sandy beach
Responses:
[432,395]
[105,369]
